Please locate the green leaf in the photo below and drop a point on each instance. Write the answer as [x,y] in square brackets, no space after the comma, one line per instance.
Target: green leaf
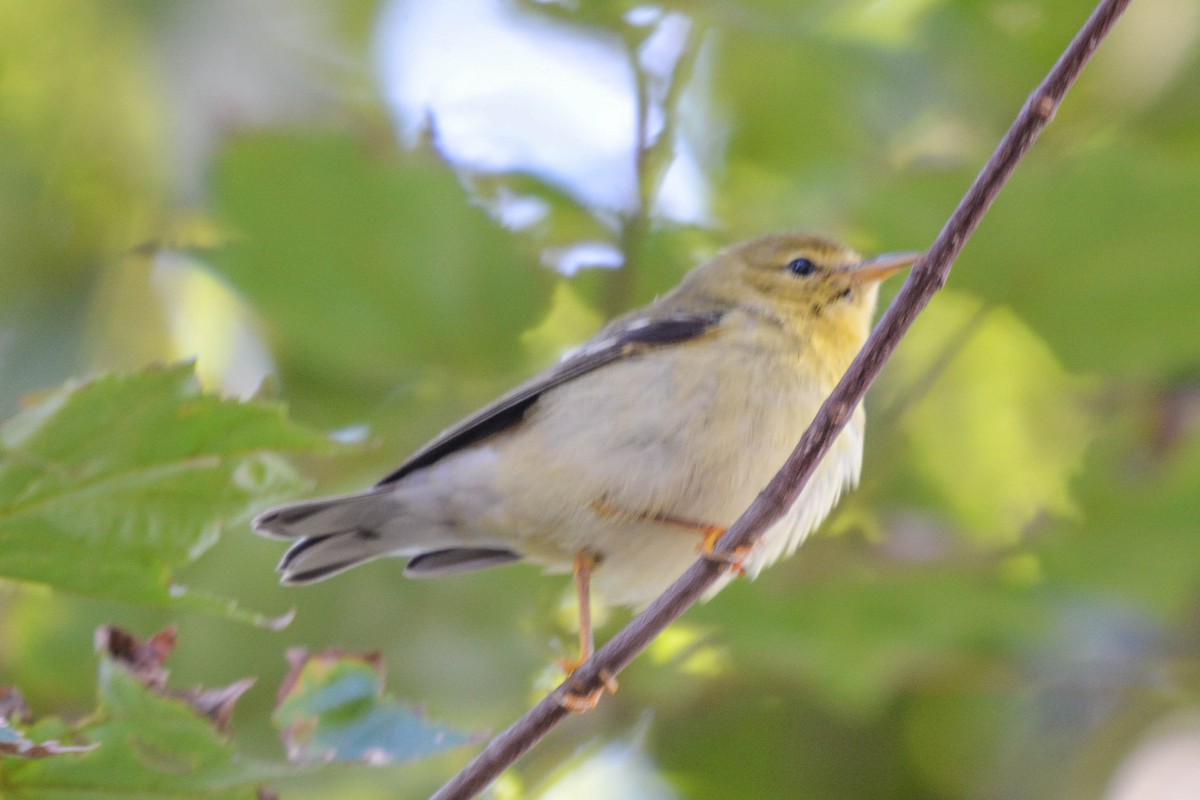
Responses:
[995,424]
[332,709]
[906,625]
[82,131]
[146,745]
[108,487]
[1104,301]
[1139,528]
[368,269]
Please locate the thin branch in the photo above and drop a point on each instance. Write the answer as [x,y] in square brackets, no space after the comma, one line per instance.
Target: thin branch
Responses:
[651,157]
[928,276]
[655,159]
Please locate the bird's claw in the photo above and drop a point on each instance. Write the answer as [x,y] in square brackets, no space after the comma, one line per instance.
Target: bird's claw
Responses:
[734,561]
[581,702]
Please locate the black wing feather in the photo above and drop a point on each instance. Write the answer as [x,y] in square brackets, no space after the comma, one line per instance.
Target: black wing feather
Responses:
[623,339]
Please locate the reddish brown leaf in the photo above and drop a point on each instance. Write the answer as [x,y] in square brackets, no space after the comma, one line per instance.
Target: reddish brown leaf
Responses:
[146,661]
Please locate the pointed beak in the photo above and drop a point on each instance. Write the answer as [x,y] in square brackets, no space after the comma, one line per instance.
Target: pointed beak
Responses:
[880,267]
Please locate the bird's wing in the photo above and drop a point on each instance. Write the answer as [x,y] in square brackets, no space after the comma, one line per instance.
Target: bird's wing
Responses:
[624,338]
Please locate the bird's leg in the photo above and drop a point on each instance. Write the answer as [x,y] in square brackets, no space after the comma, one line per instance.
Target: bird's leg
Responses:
[710,535]
[582,567]
[578,702]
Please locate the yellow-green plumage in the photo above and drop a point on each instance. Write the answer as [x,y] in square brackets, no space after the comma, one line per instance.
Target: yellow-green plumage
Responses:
[679,411]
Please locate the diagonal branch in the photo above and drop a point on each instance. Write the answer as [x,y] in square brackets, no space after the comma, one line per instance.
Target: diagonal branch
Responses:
[926,279]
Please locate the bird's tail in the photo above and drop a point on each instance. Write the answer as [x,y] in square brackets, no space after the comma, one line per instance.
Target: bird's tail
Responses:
[334,534]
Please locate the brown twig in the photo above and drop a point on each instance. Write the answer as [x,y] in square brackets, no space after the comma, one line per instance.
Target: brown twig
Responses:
[652,156]
[928,276]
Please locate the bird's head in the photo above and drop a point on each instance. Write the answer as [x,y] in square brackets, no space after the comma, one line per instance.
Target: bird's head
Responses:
[811,284]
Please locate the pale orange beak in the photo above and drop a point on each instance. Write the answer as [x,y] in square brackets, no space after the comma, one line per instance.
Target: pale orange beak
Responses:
[880,267]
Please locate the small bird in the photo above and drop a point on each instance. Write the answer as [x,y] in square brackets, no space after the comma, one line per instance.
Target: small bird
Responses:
[639,448]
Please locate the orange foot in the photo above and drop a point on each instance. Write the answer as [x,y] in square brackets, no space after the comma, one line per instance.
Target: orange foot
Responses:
[734,561]
[581,703]
[569,665]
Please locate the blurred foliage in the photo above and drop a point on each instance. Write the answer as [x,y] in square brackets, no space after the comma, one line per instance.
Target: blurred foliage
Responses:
[372,263]
[142,740]
[141,473]
[1006,607]
[990,386]
[331,708]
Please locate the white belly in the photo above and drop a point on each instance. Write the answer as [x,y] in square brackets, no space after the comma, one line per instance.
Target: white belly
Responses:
[601,457]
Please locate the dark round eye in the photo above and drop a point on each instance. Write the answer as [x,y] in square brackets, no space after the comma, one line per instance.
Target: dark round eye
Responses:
[802,266]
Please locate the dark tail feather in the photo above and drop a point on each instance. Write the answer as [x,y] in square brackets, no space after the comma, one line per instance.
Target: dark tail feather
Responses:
[337,533]
[318,517]
[463,559]
[318,557]
[315,558]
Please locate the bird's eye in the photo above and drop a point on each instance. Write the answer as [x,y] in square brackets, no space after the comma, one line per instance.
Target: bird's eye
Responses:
[802,267]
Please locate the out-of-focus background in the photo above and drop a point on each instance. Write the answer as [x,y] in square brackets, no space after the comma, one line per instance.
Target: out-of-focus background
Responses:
[382,213]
